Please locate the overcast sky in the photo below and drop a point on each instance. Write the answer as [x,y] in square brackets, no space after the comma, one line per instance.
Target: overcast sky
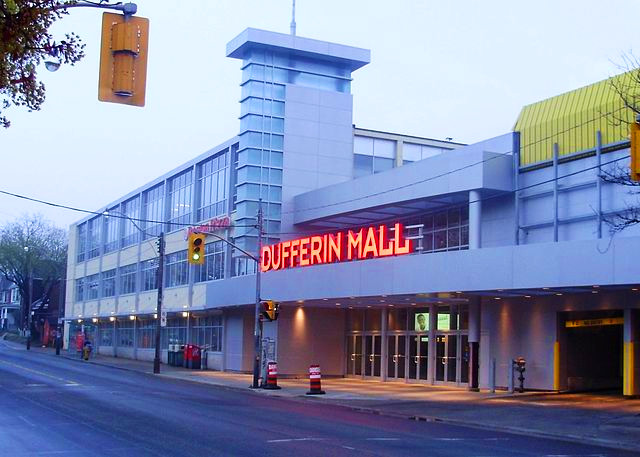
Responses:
[438,69]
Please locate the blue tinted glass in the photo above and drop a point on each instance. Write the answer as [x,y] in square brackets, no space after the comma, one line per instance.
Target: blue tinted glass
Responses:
[362,165]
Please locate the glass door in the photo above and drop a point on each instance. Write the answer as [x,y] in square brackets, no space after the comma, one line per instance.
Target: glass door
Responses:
[354,355]
[396,356]
[372,346]
[446,358]
[419,357]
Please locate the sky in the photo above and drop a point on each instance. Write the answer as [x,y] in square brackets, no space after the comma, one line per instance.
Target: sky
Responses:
[438,69]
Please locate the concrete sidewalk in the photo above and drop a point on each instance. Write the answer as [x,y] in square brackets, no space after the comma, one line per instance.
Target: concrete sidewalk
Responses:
[606,420]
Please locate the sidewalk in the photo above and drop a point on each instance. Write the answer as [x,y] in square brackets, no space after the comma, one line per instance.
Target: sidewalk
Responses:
[601,419]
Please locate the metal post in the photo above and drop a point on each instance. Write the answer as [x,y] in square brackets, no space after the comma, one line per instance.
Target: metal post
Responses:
[29,303]
[516,184]
[159,276]
[555,192]
[256,331]
[61,300]
[492,376]
[599,180]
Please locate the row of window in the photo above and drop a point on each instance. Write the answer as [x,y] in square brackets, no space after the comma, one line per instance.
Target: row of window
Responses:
[10,296]
[141,277]
[205,332]
[375,155]
[169,205]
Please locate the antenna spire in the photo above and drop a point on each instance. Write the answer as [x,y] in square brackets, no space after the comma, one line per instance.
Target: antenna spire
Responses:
[293,18]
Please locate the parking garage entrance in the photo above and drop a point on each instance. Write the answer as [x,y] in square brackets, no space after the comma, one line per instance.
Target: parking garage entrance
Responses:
[594,357]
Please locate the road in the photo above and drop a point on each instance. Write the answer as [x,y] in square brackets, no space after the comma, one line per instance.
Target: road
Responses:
[55,406]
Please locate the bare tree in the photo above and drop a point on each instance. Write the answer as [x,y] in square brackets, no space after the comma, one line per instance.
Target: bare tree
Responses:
[32,248]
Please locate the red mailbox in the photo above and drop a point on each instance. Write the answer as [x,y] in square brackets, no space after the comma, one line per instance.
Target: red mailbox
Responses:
[192,356]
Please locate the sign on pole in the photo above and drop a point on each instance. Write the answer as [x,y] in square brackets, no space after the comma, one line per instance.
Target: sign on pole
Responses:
[163,319]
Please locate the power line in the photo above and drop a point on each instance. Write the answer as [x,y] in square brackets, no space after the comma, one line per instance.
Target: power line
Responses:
[450,172]
[461,205]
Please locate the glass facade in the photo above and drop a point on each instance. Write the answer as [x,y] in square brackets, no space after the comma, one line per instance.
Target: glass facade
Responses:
[128,279]
[180,200]
[372,155]
[94,237]
[130,233]
[412,152]
[176,269]
[213,267]
[213,187]
[111,234]
[108,283]
[153,210]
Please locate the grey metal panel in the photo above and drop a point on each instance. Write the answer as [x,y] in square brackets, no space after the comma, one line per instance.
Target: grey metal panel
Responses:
[561,264]
[354,57]
[429,178]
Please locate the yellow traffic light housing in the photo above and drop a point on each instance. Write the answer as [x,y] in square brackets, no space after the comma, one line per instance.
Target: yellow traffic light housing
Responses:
[270,309]
[634,134]
[196,249]
[123,59]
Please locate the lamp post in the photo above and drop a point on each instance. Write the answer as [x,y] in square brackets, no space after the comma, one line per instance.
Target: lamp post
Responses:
[30,299]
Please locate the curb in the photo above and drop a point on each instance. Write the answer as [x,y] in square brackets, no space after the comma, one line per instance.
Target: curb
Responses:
[421,418]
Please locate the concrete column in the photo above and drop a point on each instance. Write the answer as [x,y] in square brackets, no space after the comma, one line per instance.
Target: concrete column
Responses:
[433,324]
[474,343]
[475,219]
[631,356]
[383,344]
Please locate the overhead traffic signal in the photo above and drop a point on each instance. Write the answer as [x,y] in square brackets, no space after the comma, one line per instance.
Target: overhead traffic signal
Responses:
[196,249]
[634,134]
[123,59]
[270,310]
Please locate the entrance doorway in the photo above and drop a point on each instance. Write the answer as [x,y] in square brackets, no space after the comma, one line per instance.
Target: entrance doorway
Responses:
[396,356]
[446,358]
[354,351]
[594,351]
[418,357]
[373,355]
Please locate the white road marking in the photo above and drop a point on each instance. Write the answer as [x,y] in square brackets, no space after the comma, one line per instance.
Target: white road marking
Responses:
[350,448]
[382,439]
[28,422]
[35,385]
[472,439]
[294,439]
[66,381]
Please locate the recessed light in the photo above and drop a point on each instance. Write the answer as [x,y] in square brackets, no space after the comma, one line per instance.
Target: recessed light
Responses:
[368,306]
[635,289]
[300,301]
[545,288]
[392,306]
[413,304]
[594,286]
[350,307]
[527,296]
[337,304]
[594,291]
[383,295]
[382,301]
[497,298]
[559,294]
[325,299]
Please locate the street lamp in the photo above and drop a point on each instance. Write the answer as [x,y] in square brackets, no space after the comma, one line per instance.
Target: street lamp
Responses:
[30,270]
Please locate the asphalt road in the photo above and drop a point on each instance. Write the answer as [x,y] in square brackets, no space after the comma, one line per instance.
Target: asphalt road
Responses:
[61,407]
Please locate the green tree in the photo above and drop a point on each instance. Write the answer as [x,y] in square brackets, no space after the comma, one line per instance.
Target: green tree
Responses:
[25,42]
[32,247]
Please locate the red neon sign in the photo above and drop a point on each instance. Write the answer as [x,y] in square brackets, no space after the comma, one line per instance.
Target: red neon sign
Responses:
[366,243]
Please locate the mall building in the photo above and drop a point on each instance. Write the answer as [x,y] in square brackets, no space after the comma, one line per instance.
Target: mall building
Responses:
[394,258]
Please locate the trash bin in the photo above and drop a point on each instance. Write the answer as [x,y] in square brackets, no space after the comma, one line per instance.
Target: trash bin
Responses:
[179,354]
[171,355]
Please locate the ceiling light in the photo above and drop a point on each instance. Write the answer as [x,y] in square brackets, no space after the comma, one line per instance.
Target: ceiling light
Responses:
[497,298]
[594,291]
[527,296]
[559,294]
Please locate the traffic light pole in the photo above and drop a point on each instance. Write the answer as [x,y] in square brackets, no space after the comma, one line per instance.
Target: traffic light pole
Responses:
[159,276]
[256,330]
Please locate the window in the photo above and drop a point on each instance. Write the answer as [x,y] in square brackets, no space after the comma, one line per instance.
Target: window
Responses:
[153,201]
[125,334]
[207,331]
[443,231]
[176,266]
[149,272]
[213,267]
[213,184]
[128,279]
[93,287]
[111,234]
[372,155]
[105,336]
[146,331]
[180,190]
[108,283]
[81,242]
[176,331]
[15,295]
[131,233]
[414,152]
[94,238]
[80,289]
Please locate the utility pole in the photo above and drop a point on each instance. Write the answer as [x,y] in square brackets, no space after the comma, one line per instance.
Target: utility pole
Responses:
[159,276]
[30,298]
[256,330]
[61,300]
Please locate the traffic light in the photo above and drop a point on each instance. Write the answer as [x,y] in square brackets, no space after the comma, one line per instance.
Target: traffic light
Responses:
[270,310]
[634,134]
[123,59]
[196,249]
